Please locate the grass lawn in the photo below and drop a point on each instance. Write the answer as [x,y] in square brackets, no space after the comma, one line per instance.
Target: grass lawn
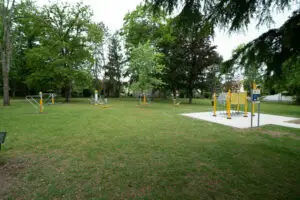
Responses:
[79,151]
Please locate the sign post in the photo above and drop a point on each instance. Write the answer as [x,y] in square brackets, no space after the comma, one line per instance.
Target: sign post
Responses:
[255,98]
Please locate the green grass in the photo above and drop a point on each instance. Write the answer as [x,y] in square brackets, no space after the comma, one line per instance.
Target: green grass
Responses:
[79,151]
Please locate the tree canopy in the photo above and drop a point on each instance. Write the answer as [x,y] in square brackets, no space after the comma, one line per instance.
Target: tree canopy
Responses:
[59,48]
[234,14]
[277,51]
[144,66]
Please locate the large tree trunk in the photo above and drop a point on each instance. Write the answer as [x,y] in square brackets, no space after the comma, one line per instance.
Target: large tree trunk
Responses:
[68,92]
[68,95]
[5,72]
[6,101]
[6,48]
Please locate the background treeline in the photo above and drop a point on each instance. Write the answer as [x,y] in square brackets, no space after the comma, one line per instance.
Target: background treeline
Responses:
[59,48]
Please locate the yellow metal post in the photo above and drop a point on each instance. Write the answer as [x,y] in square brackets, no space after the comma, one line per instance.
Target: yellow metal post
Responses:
[215,105]
[246,106]
[238,105]
[228,104]
[52,99]
[253,104]
[41,103]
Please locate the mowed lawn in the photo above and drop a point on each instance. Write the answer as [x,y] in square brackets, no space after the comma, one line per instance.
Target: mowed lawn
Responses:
[79,151]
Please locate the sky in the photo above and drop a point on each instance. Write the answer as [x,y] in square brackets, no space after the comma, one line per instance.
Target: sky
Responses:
[112,12]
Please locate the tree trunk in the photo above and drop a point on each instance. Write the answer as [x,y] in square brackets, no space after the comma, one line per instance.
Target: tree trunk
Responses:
[5,66]
[118,89]
[6,101]
[174,93]
[190,93]
[5,73]
[68,92]
[298,98]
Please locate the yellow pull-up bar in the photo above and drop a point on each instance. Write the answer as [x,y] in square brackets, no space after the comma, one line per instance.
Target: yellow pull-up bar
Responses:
[228,99]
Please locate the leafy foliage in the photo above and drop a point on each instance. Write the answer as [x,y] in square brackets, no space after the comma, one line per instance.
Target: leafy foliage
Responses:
[144,66]
[234,13]
[141,26]
[273,50]
[62,57]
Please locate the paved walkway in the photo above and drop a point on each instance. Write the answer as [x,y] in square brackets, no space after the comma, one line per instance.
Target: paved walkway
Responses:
[238,121]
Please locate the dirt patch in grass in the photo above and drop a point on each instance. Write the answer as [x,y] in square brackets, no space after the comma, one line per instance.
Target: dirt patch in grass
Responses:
[268,132]
[133,193]
[274,133]
[5,184]
[245,130]
[8,175]
[280,134]
[297,121]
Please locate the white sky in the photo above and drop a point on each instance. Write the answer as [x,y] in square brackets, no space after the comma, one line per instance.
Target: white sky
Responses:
[111,12]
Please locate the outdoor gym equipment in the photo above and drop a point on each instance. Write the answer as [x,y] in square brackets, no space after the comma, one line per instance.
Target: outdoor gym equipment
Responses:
[98,100]
[50,99]
[144,98]
[231,103]
[36,101]
[175,102]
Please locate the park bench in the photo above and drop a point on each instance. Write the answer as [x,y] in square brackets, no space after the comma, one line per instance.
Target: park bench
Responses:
[2,138]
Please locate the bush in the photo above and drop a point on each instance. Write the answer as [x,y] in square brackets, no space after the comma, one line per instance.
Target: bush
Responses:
[207,95]
[86,92]
[74,94]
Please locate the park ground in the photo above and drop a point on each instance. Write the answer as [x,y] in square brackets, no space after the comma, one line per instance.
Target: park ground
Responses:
[127,151]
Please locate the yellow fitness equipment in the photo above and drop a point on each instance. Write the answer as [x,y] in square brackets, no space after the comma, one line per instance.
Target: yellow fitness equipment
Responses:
[236,99]
[41,103]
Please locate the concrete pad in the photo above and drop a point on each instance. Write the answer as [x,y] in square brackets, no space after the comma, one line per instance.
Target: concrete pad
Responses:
[238,121]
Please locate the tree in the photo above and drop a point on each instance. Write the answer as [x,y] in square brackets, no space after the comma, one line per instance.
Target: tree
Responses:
[6,14]
[114,67]
[291,71]
[141,26]
[62,58]
[25,33]
[98,35]
[144,67]
[193,53]
[272,50]
[234,13]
